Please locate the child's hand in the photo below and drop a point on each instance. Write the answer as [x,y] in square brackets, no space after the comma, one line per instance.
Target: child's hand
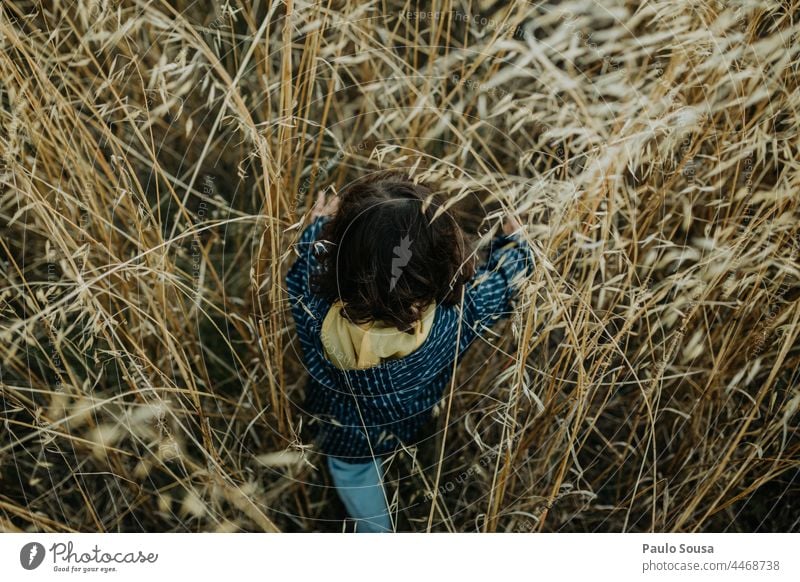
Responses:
[323,207]
[511,225]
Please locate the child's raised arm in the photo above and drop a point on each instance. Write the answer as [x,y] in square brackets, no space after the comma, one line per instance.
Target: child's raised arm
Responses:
[298,278]
[488,295]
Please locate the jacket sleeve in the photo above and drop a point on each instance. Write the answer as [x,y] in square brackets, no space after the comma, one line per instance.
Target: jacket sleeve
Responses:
[489,294]
[299,276]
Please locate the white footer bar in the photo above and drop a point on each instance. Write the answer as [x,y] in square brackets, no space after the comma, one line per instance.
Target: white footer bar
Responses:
[401,557]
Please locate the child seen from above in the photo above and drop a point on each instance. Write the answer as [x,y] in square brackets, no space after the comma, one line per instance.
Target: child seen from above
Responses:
[385,296]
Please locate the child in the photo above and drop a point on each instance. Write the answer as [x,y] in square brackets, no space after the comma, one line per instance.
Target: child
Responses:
[376,295]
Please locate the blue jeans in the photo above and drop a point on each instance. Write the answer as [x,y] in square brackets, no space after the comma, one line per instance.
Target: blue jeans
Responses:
[360,487]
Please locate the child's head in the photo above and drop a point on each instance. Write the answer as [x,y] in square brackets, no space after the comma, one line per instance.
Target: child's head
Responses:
[388,256]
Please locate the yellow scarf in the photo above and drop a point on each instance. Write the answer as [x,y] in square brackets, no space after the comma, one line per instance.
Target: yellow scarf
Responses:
[349,345]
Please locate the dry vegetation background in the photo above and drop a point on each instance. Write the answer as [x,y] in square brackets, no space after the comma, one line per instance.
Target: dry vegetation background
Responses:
[158,156]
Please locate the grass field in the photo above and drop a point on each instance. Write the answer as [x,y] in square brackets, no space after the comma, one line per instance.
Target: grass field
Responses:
[159,160]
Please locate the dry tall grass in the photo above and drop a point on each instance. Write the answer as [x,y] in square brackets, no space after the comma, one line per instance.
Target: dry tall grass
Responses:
[158,157]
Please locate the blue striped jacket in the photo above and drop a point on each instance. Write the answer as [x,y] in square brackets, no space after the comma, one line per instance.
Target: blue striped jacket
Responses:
[360,413]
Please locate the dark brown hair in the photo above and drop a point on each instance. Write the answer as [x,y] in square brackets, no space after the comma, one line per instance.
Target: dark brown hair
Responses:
[386,254]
